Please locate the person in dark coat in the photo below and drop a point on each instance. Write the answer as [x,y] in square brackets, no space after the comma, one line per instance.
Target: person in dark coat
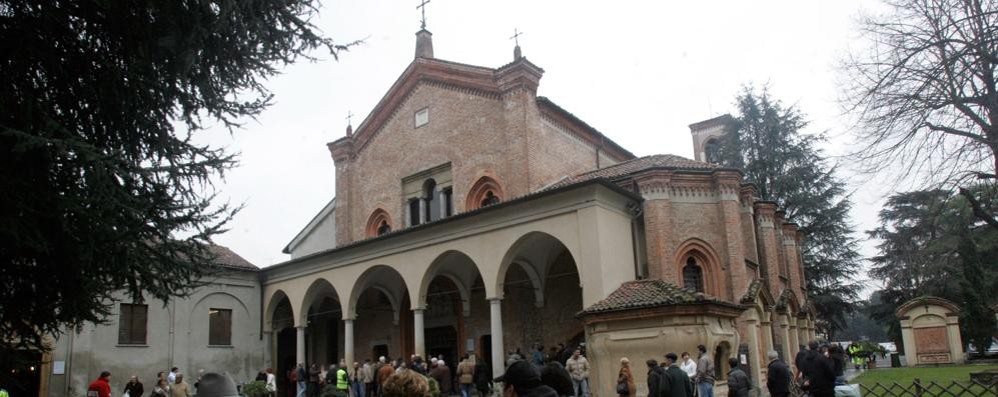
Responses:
[483,378]
[819,372]
[656,379]
[778,376]
[555,375]
[677,381]
[523,378]
[738,382]
[133,387]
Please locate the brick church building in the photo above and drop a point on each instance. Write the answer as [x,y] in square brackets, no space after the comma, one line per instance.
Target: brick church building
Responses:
[472,216]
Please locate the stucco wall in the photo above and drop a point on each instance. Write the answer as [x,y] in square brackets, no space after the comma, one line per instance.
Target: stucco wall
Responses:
[177,335]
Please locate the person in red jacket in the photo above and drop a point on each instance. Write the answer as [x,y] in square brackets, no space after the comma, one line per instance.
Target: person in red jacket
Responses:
[101,386]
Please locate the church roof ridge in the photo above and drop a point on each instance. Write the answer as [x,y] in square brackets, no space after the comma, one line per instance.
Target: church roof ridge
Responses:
[226,257]
[543,101]
[650,293]
[624,168]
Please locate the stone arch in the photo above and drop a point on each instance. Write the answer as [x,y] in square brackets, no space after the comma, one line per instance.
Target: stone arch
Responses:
[711,150]
[484,188]
[275,300]
[210,294]
[438,268]
[707,259]
[535,271]
[721,353]
[384,278]
[320,288]
[376,223]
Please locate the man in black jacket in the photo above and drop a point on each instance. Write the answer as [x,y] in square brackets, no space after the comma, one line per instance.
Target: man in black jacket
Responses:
[778,376]
[819,372]
[656,379]
[678,384]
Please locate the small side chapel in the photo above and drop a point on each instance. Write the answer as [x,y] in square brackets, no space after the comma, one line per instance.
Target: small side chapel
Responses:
[503,223]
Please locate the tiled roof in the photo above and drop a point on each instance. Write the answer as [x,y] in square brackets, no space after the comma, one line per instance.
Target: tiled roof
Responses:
[646,294]
[227,258]
[668,161]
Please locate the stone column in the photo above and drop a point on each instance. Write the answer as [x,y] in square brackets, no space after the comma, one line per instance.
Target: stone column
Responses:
[300,345]
[785,336]
[268,349]
[794,340]
[417,332]
[408,213]
[757,359]
[348,341]
[495,314]
[803,335]
[767,335]
[422,210]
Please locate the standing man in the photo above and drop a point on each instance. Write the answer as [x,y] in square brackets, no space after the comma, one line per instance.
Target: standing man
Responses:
[342,381]
[738,382]
[778,376]
[313,380]
[466,375]
[578,368]
[705,373]
[656,379]
[688,366]
[368,377]
[302,377]
[180,388]
[678,380]
[357,380]
[172,377]
[100,387]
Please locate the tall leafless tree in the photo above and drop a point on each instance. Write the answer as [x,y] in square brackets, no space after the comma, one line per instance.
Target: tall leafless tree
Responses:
[925,99]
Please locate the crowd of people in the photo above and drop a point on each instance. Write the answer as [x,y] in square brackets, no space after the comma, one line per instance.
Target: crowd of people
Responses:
[167,384]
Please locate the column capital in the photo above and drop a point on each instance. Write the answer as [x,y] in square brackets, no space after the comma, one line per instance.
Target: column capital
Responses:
[419,309]
[494,299]
[301,327]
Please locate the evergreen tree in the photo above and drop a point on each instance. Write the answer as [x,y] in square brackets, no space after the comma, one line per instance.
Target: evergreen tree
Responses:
[932,244]
[105,189]
[767,143]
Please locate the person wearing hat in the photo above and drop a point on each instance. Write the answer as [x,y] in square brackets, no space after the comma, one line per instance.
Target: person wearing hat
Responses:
[217,385]
[522,379]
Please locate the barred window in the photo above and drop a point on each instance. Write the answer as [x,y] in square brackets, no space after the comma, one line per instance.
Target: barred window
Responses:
[693,275]
[220,327]
[132,324]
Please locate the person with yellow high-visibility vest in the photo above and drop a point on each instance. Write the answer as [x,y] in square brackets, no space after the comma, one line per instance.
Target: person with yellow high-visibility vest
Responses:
[342,382]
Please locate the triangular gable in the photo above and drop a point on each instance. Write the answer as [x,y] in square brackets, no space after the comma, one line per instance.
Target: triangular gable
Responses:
[323,213]
[757,291]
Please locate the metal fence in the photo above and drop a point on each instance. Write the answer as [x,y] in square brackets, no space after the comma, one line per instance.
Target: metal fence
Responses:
[972,388]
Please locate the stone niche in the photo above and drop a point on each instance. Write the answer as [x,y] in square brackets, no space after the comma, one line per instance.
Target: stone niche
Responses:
[930,329]
[646,319]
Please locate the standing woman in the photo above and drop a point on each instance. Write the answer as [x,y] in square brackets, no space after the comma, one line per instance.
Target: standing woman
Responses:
[133,388]
[624,377]
[271,382]
[162,388]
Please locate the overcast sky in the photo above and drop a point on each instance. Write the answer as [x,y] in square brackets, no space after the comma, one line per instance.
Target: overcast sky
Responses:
[640,72]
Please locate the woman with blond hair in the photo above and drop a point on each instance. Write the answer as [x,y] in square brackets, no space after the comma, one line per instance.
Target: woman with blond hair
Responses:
[406,384]
[625,381]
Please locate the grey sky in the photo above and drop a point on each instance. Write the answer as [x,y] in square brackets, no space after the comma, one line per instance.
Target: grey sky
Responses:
[640,72]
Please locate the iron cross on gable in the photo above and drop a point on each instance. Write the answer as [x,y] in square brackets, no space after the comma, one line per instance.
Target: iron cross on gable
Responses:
[349,118]
[422,8]
[516,37]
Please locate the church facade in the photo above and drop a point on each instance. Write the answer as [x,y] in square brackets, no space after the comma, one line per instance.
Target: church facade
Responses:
[473,216]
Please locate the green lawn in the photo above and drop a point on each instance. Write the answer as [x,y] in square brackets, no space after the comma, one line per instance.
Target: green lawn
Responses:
[905,376]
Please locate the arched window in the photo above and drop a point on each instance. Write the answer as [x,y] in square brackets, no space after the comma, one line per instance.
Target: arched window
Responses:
[383,228]
[485,192]
[379,223]
[712,152]
[693,275]
[490,199]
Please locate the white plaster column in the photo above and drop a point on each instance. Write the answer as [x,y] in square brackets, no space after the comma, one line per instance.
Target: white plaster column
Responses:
[442,201]
[408,213]
[268,349]
[495,314]
[348,341]
[417,332]
[422,210]
[300,345]
[753,351]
